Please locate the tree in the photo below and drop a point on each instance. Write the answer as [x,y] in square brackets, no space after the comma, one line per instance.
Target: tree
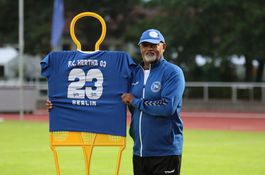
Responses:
[38,19]
[9,22]
[36,24]
[215,29]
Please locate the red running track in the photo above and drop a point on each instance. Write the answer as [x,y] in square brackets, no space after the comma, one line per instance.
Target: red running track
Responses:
[224,121]
[192,120]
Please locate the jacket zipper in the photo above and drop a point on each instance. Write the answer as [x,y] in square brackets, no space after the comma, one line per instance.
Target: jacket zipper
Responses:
[140,130]
[141,113]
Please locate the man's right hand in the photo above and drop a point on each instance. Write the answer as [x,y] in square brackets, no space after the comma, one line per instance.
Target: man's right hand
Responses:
[48,105]
[127,98]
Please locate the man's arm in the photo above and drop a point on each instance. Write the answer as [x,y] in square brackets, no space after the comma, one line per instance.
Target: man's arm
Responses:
[171,97]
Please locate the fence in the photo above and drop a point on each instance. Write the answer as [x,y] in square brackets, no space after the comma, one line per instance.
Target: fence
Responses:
[233,91]
[10,94]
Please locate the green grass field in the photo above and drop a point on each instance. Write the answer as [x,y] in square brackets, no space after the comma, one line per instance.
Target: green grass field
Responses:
[24,150]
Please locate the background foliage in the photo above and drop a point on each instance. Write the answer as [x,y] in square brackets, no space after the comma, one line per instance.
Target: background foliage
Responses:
[215,29]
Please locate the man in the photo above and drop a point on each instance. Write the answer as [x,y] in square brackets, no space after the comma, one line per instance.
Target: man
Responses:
[155,101]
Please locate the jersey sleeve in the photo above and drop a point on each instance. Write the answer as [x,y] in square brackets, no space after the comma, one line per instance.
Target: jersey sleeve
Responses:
[45,65]
[128,66]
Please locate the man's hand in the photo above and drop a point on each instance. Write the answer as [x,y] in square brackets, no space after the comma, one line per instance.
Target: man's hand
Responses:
[127,98]
[48,105]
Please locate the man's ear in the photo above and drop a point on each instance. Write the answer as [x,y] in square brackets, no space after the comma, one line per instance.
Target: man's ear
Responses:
[164,46]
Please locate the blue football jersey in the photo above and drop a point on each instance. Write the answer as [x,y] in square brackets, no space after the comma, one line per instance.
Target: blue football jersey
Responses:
[85,89]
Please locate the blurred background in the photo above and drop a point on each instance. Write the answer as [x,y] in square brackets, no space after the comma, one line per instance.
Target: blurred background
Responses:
[220,45]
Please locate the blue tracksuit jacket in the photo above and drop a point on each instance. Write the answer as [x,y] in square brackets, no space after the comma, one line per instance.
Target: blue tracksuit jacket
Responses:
[156,127]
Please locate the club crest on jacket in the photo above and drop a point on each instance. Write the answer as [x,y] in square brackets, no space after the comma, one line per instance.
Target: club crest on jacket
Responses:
[156,86]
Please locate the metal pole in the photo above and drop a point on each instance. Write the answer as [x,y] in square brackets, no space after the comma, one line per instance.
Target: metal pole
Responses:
[21,59]
[205,92]
[263,94]
[251,93]
[234,93]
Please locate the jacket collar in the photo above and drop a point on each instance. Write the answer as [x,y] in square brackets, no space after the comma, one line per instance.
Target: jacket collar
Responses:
[155,64]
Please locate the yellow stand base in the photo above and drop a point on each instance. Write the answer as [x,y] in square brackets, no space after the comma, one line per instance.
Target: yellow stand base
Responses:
[87,141]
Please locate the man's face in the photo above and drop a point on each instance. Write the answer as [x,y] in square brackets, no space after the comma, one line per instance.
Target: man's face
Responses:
[152,52]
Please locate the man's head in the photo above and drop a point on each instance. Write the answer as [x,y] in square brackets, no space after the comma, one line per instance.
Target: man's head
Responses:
[152,45]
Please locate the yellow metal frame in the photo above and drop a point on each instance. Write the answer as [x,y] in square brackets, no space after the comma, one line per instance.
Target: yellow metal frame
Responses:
[88,14]
[86,140]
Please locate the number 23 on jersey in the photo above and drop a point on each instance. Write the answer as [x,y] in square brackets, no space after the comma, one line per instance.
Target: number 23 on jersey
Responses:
[79,90]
